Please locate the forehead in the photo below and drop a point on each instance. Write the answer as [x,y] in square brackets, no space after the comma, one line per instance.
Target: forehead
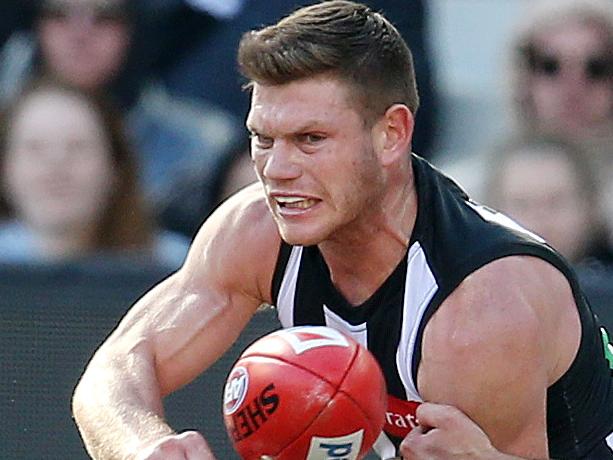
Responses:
[573,38]
[62,112]
[85,3]
[543,166]
[313,101]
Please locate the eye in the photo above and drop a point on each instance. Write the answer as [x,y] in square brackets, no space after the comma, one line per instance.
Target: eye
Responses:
[311,138]
[260,141]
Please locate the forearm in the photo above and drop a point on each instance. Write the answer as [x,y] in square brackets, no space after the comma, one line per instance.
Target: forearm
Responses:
[117,409]
[501,456]
[513,457]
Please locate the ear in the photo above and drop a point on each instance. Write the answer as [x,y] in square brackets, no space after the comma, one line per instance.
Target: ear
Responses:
[393,133]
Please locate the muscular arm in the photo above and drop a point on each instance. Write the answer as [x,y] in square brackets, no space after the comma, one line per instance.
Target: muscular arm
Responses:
[177,330]
[497,343]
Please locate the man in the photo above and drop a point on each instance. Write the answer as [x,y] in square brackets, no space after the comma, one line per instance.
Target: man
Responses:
[461,307]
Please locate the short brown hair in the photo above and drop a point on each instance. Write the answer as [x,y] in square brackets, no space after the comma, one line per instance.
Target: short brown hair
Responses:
[341,38]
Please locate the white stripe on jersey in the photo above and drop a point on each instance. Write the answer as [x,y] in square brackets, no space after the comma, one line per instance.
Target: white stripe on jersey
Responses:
[384,447]
[420,287]
[359,332]
[287,291]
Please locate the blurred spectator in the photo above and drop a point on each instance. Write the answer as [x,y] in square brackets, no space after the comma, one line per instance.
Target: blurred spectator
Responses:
[563,64]
[237,172]
[563,81]
[607,197]
[546,185]
[560,82]
[69,188]
[14,15]
[94,44]
[186,206]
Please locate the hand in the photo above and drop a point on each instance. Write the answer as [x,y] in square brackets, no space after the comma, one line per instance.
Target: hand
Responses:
[446,433]
[189,445]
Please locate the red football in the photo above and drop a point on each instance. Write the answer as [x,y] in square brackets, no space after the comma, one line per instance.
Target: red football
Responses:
[308,392]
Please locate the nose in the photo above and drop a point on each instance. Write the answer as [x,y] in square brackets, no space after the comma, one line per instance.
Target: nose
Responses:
[81,20]
[56,155]
[281,162]
[574,81]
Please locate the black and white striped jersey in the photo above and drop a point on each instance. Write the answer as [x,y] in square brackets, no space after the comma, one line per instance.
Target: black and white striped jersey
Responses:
[453,236]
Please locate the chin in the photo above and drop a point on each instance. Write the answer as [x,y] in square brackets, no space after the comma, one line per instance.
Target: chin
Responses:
[301,237]
[294,240]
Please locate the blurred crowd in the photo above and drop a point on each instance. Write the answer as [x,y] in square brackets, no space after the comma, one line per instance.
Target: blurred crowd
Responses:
[552,168]
[123,125]
[122,129]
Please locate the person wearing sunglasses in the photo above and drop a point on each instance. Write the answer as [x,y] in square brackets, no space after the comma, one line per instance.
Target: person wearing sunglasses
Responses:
[557,81]
[563,65]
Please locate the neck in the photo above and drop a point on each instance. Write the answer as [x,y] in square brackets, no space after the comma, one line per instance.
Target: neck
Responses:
[360,262]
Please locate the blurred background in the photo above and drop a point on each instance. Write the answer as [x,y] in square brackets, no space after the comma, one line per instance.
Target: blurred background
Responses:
[122,129]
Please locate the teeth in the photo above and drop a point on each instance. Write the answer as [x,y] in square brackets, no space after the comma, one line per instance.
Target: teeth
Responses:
[295,202]
[289,199]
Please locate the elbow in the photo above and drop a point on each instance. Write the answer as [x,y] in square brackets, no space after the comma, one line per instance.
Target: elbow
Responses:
[78,403]
[95,381]
[84,393]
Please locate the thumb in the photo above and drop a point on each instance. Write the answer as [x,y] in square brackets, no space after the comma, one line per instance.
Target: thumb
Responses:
[431,415]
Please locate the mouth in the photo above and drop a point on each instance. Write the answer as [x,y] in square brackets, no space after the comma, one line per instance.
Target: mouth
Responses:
[294,204]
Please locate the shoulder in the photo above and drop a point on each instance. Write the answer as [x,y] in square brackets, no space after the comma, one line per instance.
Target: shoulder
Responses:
[240,239]
[245,215]
[512,309]
[497,343]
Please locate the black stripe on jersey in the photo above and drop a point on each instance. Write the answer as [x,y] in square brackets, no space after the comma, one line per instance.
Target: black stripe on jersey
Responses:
[284,252]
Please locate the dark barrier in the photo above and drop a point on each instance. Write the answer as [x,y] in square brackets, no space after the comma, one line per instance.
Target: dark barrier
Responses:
[51,321]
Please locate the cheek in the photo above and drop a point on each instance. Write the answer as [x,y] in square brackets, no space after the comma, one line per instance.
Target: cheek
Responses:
[20,175]
[112,49]
[574,221]
[52,38]
[601,101]
[359,185]
[95,179]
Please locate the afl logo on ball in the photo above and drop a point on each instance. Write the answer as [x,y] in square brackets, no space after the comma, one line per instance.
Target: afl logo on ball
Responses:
[235,390]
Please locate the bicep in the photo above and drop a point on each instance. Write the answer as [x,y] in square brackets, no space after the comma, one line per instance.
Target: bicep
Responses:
[483,352]
[189,320]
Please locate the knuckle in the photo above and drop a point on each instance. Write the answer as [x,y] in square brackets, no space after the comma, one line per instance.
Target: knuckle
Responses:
[167,448]
[193,438]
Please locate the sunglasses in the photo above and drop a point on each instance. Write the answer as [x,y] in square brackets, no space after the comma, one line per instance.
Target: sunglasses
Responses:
[595,68]
[101,12]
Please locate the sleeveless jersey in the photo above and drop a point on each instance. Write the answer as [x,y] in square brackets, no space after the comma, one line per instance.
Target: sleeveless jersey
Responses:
[452,237]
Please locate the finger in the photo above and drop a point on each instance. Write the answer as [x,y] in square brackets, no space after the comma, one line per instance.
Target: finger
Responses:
[411,445]
[430,415]
[196,448]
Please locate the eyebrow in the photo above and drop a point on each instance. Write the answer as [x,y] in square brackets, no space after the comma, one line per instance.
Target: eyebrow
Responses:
[310,125]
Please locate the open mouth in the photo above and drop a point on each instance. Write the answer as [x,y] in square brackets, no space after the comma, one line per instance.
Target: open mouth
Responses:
[294,203]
